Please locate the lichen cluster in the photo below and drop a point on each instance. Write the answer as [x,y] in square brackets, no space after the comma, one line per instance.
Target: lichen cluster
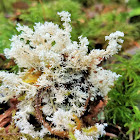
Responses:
[56,77]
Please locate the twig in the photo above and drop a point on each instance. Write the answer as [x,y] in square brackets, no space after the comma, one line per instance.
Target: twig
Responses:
[5,121]
[131,136]
[111,135]
[41,119]
[6,114]
[120,130]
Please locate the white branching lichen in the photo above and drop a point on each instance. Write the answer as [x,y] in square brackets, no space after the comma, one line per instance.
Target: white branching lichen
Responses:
[64,69]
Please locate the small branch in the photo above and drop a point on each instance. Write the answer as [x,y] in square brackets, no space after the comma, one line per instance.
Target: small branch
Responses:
[6,114]
[5,121]
[131,136]
[41,119]
[111,135]
[120,130]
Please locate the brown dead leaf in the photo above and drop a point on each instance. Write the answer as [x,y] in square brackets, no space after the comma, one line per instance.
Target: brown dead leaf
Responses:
[93,112]
[109,8]
[81,20]
[136,44]
[99,7]
[90,12]
[20,5]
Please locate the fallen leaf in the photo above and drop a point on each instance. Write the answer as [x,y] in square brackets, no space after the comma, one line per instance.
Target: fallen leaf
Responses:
[20,5]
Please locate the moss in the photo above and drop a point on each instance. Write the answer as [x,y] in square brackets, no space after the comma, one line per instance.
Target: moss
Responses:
[122,107]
